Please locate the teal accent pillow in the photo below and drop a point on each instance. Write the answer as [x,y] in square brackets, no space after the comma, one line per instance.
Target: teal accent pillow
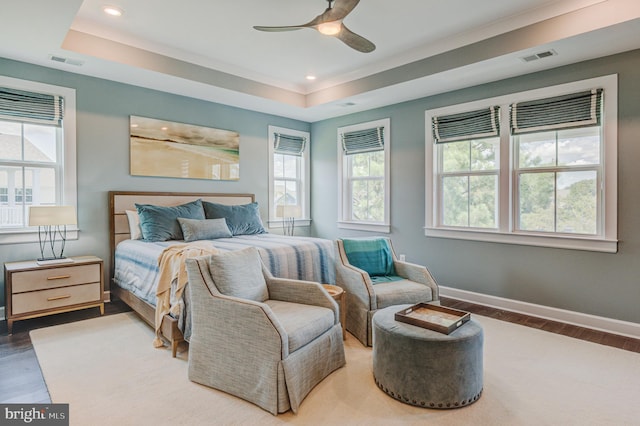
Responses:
[204,229]
[242,219]
[372,255]
[160,223]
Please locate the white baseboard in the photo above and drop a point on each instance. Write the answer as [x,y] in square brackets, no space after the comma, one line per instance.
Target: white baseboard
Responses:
[609,325]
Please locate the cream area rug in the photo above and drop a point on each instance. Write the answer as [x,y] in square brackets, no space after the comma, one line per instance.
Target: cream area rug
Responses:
[109,372]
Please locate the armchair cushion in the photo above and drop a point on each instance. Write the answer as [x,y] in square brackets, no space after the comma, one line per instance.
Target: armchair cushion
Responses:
[303,323]
[399,292]
[239,273]
[372,255]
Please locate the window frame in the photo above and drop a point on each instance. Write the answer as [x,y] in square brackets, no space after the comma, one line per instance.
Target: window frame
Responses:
[303,178]
[344,192]
[68,189]
[606,241]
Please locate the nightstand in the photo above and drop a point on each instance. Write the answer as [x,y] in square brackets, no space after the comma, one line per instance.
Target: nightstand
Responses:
[33,290]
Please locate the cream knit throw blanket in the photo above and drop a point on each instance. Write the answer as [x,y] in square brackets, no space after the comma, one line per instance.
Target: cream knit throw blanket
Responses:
[172,267]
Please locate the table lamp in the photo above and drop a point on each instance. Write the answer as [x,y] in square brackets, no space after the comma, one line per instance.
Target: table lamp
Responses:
[52,224]
[289,213]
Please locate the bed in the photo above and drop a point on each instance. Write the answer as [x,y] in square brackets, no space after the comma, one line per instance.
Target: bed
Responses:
[134,262]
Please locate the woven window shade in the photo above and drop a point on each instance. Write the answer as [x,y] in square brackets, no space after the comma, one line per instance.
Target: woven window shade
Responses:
[33,107]
[289,145]
[359,141]
[582,109]
[478,124]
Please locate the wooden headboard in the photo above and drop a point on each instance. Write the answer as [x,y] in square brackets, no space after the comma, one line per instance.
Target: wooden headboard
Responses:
[120,201]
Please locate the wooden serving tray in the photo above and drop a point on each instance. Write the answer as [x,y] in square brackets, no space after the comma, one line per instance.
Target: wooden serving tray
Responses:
[433,317]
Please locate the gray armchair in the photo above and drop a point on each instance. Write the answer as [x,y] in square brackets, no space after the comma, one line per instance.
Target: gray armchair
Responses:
[263,339]
[374,278]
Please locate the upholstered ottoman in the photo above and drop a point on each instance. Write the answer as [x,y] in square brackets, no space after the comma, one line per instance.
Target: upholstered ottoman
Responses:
[425,368]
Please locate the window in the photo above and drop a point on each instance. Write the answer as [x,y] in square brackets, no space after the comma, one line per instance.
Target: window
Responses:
[468,155]
[288,177]
[536,168]
[37,153]
[364,175]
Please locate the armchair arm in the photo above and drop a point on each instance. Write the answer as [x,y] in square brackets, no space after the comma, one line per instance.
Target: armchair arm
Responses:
[254,324]
[419,274]
[304,292]
[354,280]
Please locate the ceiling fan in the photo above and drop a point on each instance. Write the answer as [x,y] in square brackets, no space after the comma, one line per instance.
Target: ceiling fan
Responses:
[330,23]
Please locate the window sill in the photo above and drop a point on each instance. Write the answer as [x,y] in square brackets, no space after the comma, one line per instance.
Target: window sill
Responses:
[278,223]
[362,226]
[564,242]
[29,236]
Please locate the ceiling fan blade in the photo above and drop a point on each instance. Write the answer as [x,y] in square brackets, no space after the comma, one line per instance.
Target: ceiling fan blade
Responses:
[276,29]
[311,24]
[355,41]
[340,9]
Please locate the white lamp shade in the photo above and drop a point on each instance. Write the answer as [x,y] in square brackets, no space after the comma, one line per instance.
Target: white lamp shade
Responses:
[288,211]
[52,215]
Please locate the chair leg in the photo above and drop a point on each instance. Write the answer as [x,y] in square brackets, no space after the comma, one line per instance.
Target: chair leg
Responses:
[174,348]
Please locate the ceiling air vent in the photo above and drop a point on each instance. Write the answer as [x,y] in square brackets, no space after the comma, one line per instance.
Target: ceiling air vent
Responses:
[539,55]
[65,60]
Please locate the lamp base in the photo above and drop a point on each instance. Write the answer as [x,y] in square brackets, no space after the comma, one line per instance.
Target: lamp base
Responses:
[53,260]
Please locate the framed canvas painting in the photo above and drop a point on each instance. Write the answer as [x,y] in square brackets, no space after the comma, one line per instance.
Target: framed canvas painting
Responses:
[169,149]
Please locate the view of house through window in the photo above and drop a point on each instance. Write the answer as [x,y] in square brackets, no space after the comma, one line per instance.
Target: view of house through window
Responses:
[288,177]
[37,154]
[286,181]
[29,170]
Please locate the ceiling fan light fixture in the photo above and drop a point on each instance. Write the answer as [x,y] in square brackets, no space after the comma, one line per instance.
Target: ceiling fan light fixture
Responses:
[330,28]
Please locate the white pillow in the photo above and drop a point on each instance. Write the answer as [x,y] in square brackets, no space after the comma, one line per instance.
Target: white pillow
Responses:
[134,224]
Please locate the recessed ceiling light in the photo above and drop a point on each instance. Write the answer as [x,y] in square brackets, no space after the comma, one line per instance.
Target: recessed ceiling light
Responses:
[310,77]
[113,10]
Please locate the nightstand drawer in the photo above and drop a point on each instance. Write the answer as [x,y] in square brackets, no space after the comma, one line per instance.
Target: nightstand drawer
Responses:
[41,279]
[56,298]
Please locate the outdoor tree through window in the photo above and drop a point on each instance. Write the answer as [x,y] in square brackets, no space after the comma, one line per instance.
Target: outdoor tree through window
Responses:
[536,167]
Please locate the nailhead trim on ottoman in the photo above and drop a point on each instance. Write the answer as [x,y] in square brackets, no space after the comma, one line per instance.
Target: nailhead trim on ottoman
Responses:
[425,368]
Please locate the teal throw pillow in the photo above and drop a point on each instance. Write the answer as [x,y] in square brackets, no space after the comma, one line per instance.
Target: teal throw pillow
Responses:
[160,223]
[242,219]
[204,229]
[372,255]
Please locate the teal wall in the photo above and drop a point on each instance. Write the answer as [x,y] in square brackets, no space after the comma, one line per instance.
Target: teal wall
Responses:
[594,283]
[103,109]
[600,284]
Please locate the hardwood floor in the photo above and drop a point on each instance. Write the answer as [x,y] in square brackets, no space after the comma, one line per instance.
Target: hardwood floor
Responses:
[21,380]
[595,336]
